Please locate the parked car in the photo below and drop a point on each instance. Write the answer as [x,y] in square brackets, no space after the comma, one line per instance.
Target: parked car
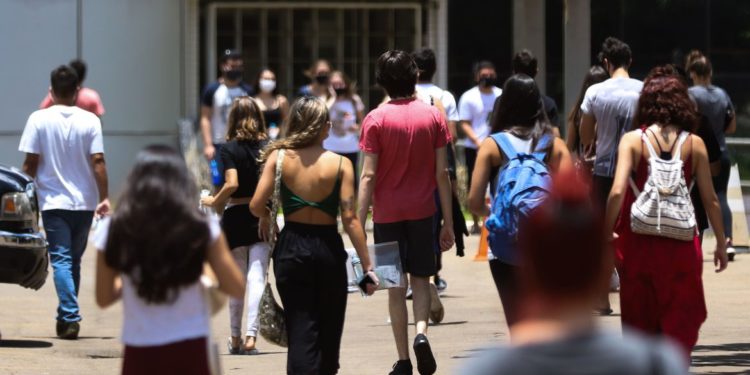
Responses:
[23,248]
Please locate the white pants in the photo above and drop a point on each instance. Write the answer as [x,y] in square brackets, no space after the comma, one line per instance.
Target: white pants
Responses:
[253,262]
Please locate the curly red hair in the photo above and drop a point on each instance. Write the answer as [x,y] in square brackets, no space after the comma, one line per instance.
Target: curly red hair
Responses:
[664,100]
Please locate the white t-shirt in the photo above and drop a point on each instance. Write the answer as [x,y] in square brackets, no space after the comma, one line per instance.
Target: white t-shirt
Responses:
[146,324]
[64,138]
[344,117]
[427,90]
[476,107]
[613,103]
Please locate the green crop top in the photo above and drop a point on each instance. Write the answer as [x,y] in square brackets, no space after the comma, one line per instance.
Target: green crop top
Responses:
[291,202]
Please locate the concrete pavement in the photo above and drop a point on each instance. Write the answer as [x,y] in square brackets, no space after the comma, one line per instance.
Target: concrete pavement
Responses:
[473,319]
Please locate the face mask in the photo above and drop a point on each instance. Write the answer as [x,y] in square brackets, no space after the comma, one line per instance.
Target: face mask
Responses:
[267,85]
[340,91]
[486,81]
[322,79]
[233,75]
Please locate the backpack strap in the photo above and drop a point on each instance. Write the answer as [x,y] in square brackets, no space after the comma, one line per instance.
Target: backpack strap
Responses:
[540,152]
[504,144]
[650,147]
[678,145]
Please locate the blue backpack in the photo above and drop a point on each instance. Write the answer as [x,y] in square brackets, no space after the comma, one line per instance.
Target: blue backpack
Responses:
[522,185]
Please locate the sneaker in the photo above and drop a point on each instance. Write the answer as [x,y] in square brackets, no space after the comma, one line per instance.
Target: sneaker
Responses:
[441,284]
[437,312]
[730,253]
[408,293]
[68,330]
[402,367]
[425,360]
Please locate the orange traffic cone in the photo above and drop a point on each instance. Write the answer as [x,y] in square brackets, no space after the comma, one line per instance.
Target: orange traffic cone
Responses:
[483,246]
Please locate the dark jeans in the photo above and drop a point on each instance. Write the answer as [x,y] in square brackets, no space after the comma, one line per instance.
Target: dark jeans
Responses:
[721,183]
[310,267]
[67,234]
[600,192]
[506,282]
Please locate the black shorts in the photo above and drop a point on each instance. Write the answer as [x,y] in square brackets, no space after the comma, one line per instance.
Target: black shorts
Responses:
[240,226]
[415,244]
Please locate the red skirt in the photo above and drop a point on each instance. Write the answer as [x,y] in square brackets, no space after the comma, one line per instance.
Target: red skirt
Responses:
[188,357]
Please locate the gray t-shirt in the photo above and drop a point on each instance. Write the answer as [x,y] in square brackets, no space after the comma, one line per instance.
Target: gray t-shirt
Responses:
[613,103]
[714,103]
[595,353]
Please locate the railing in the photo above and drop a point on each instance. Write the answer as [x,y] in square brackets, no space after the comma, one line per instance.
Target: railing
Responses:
[741,155]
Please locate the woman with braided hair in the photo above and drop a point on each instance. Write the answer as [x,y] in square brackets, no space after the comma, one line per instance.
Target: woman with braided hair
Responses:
[309,259]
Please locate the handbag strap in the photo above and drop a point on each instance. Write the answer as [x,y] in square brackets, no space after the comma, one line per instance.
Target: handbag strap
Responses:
[276,199]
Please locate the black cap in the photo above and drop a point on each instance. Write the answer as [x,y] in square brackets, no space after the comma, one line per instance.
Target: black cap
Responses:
[230,54]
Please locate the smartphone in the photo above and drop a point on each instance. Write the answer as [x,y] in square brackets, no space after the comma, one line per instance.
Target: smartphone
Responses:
[366,279]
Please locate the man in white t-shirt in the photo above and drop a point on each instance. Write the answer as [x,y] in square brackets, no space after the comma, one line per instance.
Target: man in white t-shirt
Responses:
[608,110]
[65,156]
[474,111]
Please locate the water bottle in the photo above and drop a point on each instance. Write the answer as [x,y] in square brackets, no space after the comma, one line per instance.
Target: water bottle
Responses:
[273,131]
[215,174]
[205,193]
[358,272]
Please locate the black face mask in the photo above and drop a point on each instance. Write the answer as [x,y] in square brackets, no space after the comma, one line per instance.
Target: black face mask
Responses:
[486,81]
[340,91]
[233,75]
[322,79]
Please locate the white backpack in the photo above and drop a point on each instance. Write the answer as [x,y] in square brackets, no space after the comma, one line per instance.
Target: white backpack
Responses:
[664,207]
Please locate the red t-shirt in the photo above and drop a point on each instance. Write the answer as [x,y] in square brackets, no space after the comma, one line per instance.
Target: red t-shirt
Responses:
[87,99]
[404,134]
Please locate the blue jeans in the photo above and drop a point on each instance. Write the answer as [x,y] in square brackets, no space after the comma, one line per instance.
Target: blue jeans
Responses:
[67,234]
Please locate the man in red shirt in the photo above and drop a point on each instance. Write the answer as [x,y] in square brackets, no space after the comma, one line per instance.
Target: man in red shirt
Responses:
[405,160]
[86,98]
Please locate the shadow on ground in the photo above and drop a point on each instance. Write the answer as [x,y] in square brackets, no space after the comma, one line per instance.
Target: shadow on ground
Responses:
[730,355]
[25,344]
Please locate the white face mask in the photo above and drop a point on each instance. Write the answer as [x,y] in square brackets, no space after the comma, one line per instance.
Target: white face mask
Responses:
[267,85]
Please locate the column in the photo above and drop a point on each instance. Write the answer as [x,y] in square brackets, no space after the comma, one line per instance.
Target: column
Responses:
[529,33]
[577,51]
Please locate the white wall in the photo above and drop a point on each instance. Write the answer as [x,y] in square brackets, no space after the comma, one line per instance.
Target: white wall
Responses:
[133,52]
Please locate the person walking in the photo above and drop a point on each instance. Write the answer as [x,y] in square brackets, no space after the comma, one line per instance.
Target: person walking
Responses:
[347,112]
[151,254]
[661,291]
[595,74]
[216,99]
[519,121]
[309,259]
[65,156]
[405,160]
[275,106]
[716,107]
[246,137]
[557,333]
[474,110]
[320,82]
[608,110]
[86,98]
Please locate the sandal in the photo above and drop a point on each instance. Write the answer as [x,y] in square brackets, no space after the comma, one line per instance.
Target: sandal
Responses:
[232,350]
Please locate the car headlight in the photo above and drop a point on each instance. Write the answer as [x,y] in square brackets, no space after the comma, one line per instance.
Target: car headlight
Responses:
[18,206]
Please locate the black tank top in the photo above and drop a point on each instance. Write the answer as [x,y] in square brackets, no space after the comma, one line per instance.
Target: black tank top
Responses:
[273,117]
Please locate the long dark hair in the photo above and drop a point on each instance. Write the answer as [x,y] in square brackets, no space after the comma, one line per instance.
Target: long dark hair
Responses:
[158,235]
[520,111]
[595,74]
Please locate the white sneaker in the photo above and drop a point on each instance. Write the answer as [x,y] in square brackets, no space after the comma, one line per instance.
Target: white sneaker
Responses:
[730,253]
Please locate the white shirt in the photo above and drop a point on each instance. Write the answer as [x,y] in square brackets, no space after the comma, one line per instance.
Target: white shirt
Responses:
[427,90]
[344,116]
[64,137]
[222,103]
[476,107]
[148,324]
[613,103]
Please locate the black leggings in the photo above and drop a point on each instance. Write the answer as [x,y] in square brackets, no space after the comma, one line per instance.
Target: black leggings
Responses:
[506,282]
[310,268]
